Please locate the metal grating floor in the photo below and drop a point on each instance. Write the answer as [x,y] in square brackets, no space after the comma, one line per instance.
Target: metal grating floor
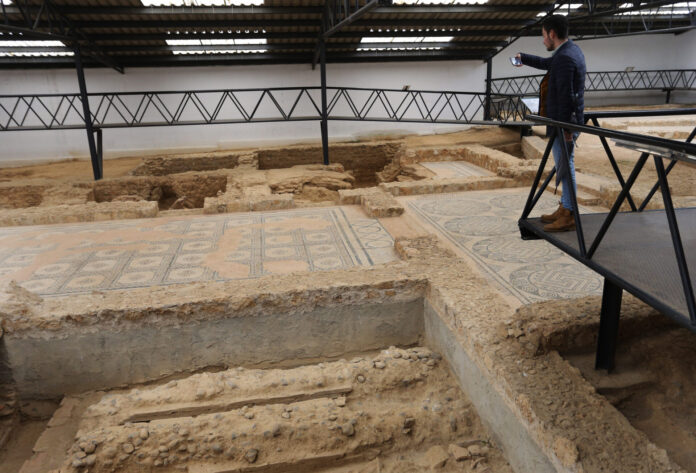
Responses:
[638,249]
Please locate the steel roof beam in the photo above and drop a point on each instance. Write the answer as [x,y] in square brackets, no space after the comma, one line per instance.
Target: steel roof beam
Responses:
[293,35]
[260,11]
[273,23]
[449,45]
[289,58]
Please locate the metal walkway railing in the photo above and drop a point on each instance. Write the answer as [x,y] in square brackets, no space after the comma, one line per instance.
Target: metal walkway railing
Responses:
[636,255]
[610,81]
[202,107]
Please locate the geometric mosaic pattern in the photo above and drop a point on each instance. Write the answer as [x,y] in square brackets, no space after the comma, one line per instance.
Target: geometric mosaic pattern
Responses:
[483,225]
[63,259]
[456,169]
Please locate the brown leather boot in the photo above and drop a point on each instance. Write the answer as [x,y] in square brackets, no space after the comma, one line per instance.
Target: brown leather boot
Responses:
[564,222]
[550,218]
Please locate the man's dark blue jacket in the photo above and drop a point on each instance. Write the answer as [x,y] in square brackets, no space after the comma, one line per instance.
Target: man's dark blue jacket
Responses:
[565,100]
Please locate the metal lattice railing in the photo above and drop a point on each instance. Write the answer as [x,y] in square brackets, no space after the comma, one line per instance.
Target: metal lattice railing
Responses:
[684,79]
[169,108]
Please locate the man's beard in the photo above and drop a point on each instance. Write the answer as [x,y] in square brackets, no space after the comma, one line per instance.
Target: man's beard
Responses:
[550,48]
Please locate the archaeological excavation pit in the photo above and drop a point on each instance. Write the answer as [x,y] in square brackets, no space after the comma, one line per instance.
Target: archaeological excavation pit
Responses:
[356,377]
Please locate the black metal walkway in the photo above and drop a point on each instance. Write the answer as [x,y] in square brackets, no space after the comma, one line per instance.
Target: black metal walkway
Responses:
[637,250]
[651,254]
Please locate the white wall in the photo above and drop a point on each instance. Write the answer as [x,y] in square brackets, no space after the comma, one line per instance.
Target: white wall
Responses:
[642,52]
[26,145]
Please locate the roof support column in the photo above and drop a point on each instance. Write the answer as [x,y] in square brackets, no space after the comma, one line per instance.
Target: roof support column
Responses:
[324,113]
[96,157]
[489,78]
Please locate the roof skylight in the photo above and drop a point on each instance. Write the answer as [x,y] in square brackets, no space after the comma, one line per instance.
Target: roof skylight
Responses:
[406,39]
[214,42]
[402,48]
[440,2]
[202,3]
[223,51]
[217,42]
[570,7]
[681,8]
[23,48]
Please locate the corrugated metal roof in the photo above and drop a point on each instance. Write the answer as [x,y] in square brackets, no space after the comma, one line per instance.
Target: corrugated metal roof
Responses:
[127,29]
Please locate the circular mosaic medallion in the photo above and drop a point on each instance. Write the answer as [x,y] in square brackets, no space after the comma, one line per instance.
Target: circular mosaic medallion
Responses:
[481,226]
[514,250]
[455,207]
[556,280]
[518,201]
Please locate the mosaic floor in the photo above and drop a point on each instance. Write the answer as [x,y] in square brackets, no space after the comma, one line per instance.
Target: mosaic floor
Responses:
[456,169]
[483,226]
[63,259]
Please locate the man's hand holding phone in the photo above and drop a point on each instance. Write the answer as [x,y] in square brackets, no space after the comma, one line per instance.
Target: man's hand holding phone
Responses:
[516,60]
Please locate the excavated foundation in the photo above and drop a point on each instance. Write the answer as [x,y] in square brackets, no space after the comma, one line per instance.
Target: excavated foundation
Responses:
[397,410]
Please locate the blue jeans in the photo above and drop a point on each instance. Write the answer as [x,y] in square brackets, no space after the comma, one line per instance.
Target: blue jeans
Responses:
[557,156]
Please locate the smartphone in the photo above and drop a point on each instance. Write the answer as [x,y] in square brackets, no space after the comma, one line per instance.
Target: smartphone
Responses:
[515,61]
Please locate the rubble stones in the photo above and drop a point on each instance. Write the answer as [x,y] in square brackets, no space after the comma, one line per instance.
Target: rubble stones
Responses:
[251,455]
[436,457]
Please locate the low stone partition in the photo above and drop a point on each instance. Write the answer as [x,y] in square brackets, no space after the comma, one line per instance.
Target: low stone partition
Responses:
[489,158]
[166,165]
[363,159]
[533,147]
[88,212]
[15,197]
[194,187]
[440,186]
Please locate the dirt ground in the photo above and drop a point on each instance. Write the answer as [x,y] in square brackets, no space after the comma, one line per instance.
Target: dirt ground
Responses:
[653,387]
[592,159]
[398,410]
[20,444]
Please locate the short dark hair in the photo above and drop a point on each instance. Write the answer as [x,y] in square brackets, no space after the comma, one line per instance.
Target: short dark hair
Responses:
[557,23]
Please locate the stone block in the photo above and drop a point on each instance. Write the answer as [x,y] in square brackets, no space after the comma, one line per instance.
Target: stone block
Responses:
[353,196]
[271,202]
[380,205]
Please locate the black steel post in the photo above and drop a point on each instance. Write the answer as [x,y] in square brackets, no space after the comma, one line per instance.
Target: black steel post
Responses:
[324,113]
[614,166]
[87,116]
[489,74]
[676,240]
[100,150]
[608,326]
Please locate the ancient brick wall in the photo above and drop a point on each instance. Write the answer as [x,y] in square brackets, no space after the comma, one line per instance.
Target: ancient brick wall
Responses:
[363,159]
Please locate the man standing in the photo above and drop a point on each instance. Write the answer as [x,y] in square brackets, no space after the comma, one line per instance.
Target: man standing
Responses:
[564,102]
